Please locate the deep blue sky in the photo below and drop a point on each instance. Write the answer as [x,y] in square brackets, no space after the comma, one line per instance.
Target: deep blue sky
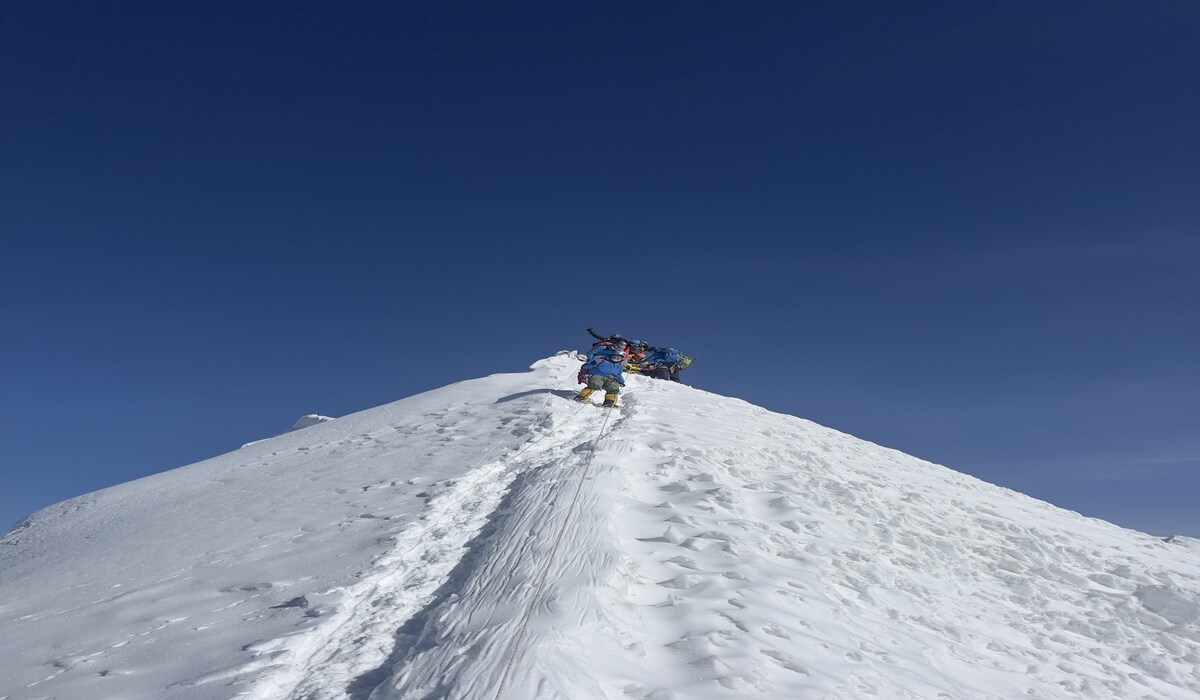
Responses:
[965,230]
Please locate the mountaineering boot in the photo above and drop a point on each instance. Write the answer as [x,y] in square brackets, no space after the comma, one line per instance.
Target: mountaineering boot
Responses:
[584,394]
[610,400]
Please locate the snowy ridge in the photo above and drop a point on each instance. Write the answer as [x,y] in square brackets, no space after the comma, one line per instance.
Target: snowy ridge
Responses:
[493,540]
[99,594]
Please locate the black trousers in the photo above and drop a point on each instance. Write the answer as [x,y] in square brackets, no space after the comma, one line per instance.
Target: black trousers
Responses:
[671,373]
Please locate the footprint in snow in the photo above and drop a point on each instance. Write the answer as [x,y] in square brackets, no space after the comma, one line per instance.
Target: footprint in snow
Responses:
[785,661]
[248,588]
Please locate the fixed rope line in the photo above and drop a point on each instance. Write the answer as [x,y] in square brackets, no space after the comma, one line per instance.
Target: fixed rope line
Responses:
[562,531]
[536,439]
[465,494]
[430,527]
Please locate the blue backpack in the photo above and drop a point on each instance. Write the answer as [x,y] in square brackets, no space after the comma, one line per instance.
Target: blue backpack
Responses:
[665,356]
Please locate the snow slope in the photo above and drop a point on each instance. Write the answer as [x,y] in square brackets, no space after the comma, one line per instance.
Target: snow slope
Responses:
[491,539]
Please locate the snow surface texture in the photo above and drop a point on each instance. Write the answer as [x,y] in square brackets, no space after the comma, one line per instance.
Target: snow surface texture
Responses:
[492,539]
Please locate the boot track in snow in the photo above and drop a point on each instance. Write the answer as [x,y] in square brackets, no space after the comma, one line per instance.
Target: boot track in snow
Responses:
[349,656]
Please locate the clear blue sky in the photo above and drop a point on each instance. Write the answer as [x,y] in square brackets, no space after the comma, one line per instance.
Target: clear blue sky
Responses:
[965,230]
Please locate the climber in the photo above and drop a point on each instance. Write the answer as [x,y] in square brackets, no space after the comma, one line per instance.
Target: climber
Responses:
[664,363]
[602,372]
[606,346]
[636,352]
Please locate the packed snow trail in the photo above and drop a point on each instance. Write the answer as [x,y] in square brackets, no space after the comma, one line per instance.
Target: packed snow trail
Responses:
[535,596]
[499,612]
[487,541]
[333,661]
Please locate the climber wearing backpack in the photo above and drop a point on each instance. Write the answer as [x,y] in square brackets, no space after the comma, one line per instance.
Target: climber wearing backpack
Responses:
[636,352]
[606,346]
[602,372]
[664,363]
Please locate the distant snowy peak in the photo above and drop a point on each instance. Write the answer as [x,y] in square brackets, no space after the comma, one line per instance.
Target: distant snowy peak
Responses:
[309,420]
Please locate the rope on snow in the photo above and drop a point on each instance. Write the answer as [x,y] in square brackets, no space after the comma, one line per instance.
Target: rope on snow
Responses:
[550,560]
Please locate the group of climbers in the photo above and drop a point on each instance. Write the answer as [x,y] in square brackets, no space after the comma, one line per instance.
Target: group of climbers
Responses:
[612,355]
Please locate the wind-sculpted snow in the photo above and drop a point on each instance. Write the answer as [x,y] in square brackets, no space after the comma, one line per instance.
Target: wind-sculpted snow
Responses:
[492,540]
[309,420]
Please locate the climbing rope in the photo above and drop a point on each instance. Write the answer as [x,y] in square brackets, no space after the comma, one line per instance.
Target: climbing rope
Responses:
[537,594]
[541,413]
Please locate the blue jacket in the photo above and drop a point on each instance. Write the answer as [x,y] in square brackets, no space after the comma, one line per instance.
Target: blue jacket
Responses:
[664,356]
[602,365]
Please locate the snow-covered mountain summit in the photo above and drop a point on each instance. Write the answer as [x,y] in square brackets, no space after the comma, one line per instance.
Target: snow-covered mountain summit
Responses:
[492,539]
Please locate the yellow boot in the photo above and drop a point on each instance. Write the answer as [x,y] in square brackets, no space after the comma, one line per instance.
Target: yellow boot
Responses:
[584,393]
[610,400]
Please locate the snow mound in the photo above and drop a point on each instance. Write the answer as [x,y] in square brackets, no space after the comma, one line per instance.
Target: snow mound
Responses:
[1189,542]
[1172,604]
[492,539]
[305,421]
[309,420]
